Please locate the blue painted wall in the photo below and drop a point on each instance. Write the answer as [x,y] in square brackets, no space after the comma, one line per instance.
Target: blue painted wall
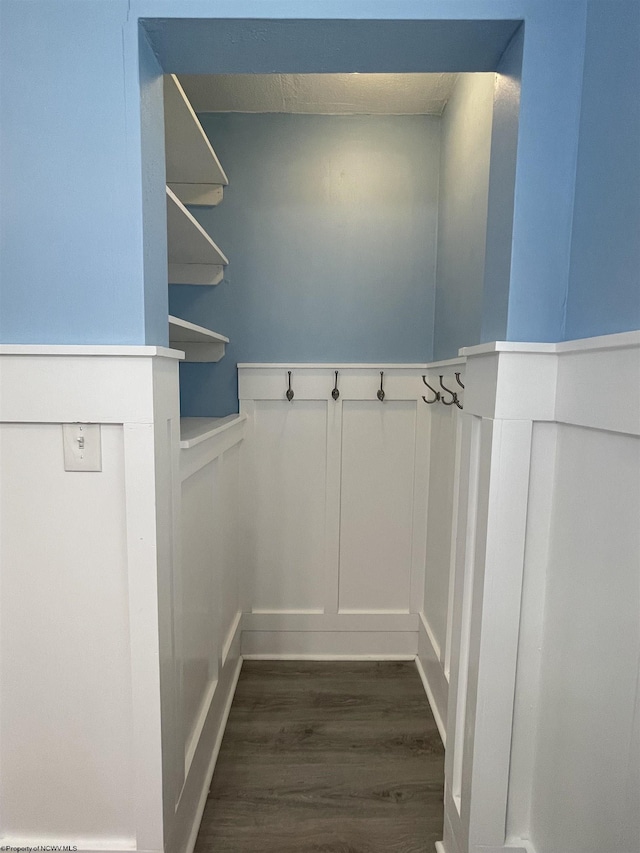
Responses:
[462,223]
[604,284]
[71,268]
[72,265]
[330,225]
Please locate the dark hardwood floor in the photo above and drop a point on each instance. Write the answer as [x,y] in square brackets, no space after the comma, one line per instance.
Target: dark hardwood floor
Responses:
[327,757]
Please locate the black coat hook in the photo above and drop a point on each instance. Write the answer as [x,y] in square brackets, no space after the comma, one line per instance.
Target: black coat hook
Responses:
[289,393]
[458,380]
[335,393]
[433,390]
[454,396]
[380,394]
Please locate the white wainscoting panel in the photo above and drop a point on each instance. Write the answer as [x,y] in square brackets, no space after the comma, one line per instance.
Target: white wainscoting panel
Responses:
[84,559]
[66,686]
[586,776]
[196,613]
[376,519]
[228,521]
[287,506]
[335,494]
[444,421]
[205,612]
[543,731]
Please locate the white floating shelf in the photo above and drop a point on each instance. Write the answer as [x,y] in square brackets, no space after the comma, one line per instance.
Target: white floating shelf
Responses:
[197,343]
[193,169]
[193,256]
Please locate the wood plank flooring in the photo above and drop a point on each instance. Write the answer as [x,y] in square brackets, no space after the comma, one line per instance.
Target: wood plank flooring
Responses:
[327,757]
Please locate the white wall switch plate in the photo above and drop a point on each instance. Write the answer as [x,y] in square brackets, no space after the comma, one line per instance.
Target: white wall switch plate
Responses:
[82,445]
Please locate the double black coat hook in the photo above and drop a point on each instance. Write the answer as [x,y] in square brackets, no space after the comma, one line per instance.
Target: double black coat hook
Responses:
[335,393]
[380,394]
[289,394]
[454,396]
[433,390]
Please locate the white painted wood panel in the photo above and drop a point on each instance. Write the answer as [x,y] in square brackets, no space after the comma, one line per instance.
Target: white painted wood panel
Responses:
[543,738]
[228,529]
[196,613]
[586,783]
[376,521]
[66,765]
[287,506]
[442,458]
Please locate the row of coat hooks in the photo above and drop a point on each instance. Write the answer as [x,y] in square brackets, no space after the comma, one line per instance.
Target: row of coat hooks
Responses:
[438,396]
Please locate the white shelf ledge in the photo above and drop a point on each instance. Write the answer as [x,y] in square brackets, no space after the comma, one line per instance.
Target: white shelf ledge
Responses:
[194,431]
[197,343]
[89,350]
[193,169]
[193,256]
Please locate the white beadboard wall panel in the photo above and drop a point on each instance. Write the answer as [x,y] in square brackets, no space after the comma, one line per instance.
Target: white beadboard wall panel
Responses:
[587,742]
[287,506]
[376,521]
[66,768]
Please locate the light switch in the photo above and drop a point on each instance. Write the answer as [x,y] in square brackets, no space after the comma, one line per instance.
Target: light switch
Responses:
[82,446]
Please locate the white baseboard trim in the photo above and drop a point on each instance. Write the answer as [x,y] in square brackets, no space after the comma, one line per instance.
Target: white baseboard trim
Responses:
[231,636]
[432,702]
[433,678]
[329,657]
[328,622]
[329,645]
[227,683]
